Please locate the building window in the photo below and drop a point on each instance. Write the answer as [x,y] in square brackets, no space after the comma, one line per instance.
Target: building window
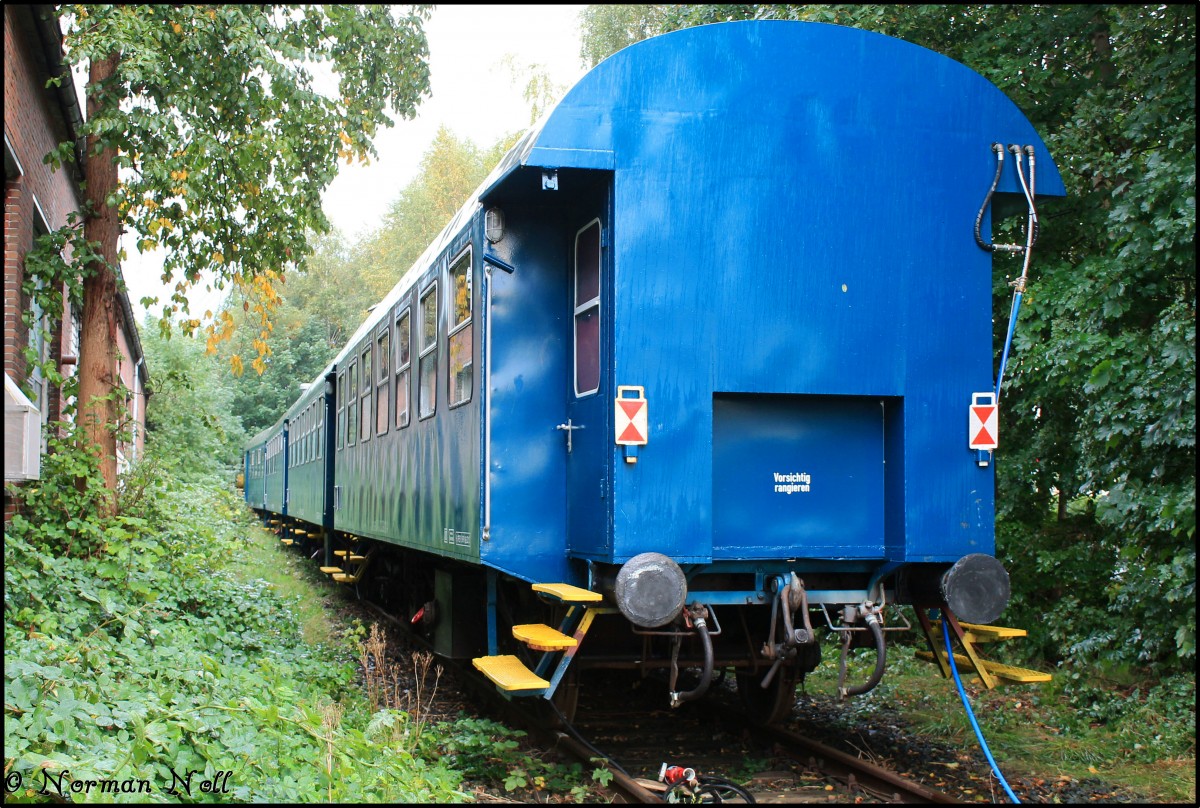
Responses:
[427,394]
[587,309]
[462,345]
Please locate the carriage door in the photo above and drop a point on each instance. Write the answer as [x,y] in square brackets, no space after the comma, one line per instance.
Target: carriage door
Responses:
[586,427]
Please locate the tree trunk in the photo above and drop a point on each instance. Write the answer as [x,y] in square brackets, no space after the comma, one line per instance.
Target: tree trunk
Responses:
[98,338]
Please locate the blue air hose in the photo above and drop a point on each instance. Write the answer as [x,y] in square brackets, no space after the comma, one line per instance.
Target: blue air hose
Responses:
[974,724]
[1012,327]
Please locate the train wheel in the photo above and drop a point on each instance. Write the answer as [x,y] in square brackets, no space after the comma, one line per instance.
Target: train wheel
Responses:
[770,705]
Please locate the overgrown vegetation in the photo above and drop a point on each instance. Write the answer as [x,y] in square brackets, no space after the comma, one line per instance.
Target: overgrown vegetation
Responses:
[135,652]
[1130,731]
[171,653]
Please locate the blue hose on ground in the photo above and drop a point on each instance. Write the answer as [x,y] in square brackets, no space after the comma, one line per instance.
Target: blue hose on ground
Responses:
[962,694]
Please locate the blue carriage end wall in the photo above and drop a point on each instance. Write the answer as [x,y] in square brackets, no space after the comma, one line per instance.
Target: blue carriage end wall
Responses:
[793,213]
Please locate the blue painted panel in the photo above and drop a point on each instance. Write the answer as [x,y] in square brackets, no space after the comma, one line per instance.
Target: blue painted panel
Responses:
[529,369]
[417,485]
[798,477]
[822,245]
[306,473]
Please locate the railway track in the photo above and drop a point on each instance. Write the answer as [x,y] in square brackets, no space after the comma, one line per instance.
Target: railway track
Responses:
[624,719]
[713,738]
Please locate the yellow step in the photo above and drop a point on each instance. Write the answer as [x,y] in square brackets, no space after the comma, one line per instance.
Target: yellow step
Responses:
[1000,671]
[341,553]
[287,542]
[543,638]
[331,570]
[509,673]
[991,633]
[568,594]
[343,578]
[356,559]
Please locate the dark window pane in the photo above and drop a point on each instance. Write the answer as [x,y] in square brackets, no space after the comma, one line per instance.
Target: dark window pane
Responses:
[587,351]
[587,264]
[461,347]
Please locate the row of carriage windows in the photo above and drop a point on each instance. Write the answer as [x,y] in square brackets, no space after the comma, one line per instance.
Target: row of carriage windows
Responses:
[305,432]
[381,372]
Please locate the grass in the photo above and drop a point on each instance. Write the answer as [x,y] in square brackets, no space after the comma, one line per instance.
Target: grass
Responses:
[293,578]
[1128,735]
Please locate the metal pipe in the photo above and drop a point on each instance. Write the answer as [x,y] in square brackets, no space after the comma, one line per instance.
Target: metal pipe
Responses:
[678,698]
[880,661]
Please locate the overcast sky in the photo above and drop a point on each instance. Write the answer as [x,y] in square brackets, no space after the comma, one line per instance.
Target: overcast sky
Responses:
[473,94]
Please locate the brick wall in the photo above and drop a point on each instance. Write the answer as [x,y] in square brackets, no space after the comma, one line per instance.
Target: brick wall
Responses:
[33,124]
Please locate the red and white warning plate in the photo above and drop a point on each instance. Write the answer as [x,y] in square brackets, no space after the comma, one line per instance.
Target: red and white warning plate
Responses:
[631,420]
[983,423]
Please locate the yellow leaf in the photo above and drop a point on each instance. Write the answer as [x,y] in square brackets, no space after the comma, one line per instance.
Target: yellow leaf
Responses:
[218,257]
[177,27]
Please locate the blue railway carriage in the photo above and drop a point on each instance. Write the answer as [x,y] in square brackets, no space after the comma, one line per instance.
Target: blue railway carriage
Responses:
[693,373]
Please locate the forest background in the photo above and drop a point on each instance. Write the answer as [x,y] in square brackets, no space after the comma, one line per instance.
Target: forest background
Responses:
[1096,475]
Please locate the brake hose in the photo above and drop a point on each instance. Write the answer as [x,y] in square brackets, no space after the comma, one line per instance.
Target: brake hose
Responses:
[1031,234]
[974,724]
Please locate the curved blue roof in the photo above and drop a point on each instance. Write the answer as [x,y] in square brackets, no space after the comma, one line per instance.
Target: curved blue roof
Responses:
[829,91]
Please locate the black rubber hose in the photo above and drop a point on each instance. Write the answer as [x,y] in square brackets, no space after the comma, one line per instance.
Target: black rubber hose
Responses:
[987,200]
[880,661]
[706,675]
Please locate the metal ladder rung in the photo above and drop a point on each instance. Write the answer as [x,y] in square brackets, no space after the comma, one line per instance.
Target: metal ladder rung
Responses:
[568,594]
[981,633]
[541,637]
[511,675]
[997,669]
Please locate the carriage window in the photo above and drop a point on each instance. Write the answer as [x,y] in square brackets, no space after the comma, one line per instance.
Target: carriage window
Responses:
[461,343]
[587,309]
[352,405]
[364,401]
[382,402]
[402,363]
[427,394]
[340,432]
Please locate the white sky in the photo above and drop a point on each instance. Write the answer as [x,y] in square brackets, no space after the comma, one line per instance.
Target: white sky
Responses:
[473,94]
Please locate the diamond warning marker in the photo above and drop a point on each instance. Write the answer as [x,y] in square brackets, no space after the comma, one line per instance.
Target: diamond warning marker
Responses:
[983,421]
[631,421]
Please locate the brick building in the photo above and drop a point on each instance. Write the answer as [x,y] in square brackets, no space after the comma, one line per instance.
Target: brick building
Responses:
[38,199]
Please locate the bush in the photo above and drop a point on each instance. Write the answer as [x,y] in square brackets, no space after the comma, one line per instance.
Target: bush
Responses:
[134,655]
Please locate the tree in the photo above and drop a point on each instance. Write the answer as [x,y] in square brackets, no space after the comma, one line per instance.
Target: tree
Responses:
[604,30]
[450,171]
[211,132]
[191,428]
